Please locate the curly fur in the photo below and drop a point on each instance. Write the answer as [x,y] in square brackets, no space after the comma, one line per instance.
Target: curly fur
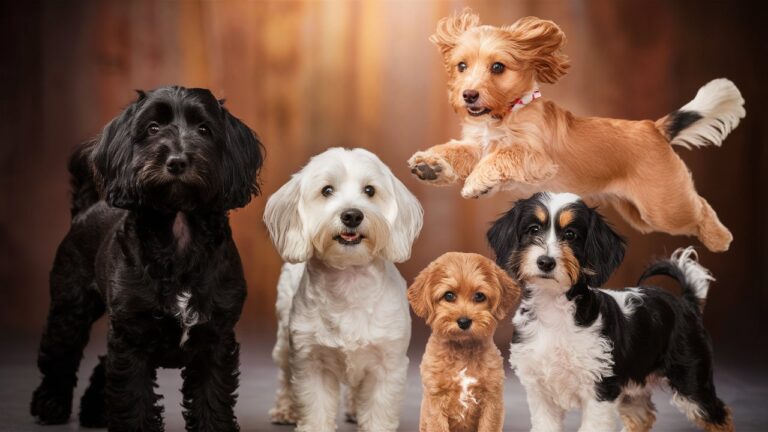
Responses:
[160,234]
[462,370]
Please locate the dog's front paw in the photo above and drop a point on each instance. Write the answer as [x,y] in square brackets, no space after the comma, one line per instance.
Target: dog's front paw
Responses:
[475,188]
[283,415]
[431,168]
[51,406]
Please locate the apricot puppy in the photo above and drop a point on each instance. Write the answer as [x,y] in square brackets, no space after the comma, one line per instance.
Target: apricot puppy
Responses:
[462,296]
[516,140]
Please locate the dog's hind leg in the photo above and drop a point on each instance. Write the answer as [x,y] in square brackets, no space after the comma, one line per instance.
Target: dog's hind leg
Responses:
[210,383]
[93,411]
[712,232]
[75,305]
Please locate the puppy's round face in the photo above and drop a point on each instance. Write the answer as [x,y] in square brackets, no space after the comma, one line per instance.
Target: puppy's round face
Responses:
[462,296]
[555,240]
[177,149]
[485,79]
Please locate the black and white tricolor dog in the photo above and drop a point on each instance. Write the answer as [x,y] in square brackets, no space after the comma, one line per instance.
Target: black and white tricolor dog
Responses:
[600,351]
[157,255]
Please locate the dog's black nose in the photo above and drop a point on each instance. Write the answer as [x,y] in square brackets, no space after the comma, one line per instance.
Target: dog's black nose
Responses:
[352,217]
[545,263]
[470,96]
[176,164]
[464,323]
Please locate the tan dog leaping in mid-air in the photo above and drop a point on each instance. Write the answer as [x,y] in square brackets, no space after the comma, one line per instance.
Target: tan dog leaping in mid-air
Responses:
[462,296]
[514,140]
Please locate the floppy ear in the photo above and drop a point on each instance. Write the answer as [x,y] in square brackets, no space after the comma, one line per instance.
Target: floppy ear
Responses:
[510,293]
[539,42]
[419,293]
[112,160]
[450,28]
[407,224]
[503,234]
[241,162]
[603,250]
[285,224]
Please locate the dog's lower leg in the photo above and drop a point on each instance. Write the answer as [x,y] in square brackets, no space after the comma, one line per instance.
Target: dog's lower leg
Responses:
[509,164]
[598,416]
[93,411]
[132,404]
[284,411]
[379,396]
[317,393]
[546,416]
[712,232]
[210,383]
[637,411]
[73,310]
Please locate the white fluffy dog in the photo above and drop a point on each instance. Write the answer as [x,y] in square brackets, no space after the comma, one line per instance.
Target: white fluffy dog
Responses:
[341,222]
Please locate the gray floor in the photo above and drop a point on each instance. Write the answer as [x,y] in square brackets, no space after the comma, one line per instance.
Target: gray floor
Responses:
[744,389]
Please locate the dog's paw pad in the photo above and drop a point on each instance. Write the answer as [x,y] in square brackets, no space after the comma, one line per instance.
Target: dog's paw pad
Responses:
[427,172]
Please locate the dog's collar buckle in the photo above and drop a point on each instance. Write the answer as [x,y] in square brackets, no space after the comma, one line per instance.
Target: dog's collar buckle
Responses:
[525,100]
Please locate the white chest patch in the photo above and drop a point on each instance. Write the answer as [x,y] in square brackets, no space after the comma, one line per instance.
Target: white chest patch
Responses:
[466,396]
[187,316]
[555,355]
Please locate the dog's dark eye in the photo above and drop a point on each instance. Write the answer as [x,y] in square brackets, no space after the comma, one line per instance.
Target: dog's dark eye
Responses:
[203,129]
[369,190]
[449,296]
[533,229]
[497,68]
[569,234]
[462,67]
[153,128]
[327,191]
[478,297]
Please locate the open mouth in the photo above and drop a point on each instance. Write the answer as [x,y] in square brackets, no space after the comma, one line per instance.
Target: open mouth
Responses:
[477,111]
[349,238]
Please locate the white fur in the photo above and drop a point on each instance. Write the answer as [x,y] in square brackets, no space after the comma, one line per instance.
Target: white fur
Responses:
[187,316]
[557,361]
[342,310]
[691,409]
[466,396]
[628,299]
[721,106]
[699,277]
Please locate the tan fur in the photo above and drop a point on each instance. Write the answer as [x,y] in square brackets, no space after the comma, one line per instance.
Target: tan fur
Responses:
[542,147]
[727,426]
[451,350]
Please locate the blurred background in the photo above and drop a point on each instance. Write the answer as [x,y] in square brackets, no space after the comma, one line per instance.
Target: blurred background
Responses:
[307,75]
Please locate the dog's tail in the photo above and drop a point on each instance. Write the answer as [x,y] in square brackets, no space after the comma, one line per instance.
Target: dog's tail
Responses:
[707,119]
[84,192]
[684,267]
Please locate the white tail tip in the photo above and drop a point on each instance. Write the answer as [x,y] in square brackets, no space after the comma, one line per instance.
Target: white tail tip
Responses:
[720,107]
[698,277]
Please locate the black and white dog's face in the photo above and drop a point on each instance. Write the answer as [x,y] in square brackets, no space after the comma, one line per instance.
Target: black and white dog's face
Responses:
[177,149]
[556,237]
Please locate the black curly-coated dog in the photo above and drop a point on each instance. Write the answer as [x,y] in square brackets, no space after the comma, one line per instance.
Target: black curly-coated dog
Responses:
[157,255]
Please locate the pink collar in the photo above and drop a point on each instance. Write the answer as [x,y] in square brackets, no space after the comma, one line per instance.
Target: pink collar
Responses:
[525,100]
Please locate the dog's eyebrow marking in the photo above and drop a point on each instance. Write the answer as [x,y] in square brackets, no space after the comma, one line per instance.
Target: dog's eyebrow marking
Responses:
[566,216]
[466,396]
[541,214]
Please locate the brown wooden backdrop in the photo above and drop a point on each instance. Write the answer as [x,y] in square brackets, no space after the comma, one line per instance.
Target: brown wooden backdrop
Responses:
[312,74]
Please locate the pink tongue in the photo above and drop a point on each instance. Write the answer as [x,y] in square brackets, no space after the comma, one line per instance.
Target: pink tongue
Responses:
[349,237]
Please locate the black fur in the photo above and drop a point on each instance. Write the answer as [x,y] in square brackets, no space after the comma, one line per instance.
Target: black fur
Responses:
[156,235]
[680,120]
